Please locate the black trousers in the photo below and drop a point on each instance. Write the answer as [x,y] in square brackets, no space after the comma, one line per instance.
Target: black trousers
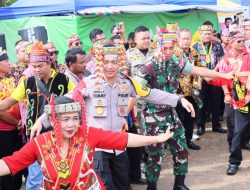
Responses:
[242,122]
[113,170]
[10,142]
[186,119]
[212,95]
[246,137]
[230,119]
[134,155]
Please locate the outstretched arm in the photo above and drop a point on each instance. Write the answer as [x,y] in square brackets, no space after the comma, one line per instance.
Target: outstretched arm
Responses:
[204,72]
[4,168]
[140,140]
[8,118]
[20,159]
[7,103]
[160,97]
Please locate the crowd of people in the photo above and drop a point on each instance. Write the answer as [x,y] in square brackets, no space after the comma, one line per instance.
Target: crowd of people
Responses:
[67,125]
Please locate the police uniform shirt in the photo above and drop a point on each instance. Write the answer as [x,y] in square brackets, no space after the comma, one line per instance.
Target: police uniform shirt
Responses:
[106,105]
[135,59]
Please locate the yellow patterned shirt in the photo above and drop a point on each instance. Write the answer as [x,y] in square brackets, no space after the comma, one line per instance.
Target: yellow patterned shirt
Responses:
[7,86]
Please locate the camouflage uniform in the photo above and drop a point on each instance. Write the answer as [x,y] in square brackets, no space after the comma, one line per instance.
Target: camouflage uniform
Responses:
[135,58]
[157,119]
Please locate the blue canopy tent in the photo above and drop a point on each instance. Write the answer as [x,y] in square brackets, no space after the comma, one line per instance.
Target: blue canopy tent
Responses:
[242,2]
[25,8]
[62,18]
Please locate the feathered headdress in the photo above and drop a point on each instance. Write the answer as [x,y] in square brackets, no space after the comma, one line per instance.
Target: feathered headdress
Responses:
[168,34]
[100,52]
[77,106]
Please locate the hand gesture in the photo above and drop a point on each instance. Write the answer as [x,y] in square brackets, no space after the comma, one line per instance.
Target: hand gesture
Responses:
[36,129]
[188,106]
[164,137]
[227,99]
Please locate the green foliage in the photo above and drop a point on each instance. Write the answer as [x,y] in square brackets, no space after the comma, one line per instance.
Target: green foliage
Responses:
[4,3]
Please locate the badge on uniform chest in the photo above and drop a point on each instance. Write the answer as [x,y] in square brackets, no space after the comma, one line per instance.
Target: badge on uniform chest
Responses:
[99,111]
[123,97]
[99,101]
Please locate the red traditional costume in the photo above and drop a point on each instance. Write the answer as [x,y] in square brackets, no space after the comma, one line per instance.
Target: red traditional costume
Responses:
[75,172]
[240,86]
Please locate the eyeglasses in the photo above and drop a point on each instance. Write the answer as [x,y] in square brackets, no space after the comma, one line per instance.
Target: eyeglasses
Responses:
[78,43]
[240,41]
[53,53]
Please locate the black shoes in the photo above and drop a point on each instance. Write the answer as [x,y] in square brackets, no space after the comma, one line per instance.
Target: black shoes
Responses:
[221,118]
[246,146]
[181,187]
[179,183]
[232,169]
[219,130]
[193,146]
[151,186]
[201,130]
[139,181]
[208,118]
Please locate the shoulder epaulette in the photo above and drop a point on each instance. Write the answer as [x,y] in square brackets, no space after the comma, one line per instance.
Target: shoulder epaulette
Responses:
[122,76]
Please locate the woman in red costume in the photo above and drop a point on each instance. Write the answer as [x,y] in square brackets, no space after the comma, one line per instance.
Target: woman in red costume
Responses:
[66,153]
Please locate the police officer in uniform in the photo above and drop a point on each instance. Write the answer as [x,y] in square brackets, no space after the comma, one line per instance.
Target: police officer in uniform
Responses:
[135,58]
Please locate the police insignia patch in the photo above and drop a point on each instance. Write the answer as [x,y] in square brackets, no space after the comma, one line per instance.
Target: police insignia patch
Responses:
[124,88]
[99,111]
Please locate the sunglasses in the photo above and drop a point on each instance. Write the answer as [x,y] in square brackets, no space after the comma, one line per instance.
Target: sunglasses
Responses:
[53,53]
[78,43]
[240,41]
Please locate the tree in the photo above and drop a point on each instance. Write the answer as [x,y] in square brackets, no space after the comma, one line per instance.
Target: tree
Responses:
[4,3]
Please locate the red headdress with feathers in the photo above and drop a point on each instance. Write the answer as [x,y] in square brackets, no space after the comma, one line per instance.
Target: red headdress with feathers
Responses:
[77,106]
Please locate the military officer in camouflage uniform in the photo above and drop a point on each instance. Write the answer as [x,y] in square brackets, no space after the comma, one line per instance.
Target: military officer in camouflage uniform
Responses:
[162,72]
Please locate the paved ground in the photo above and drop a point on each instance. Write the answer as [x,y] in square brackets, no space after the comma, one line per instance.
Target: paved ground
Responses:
[207,167]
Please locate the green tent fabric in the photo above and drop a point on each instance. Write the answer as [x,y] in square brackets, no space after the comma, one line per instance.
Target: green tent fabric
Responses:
[59,28]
